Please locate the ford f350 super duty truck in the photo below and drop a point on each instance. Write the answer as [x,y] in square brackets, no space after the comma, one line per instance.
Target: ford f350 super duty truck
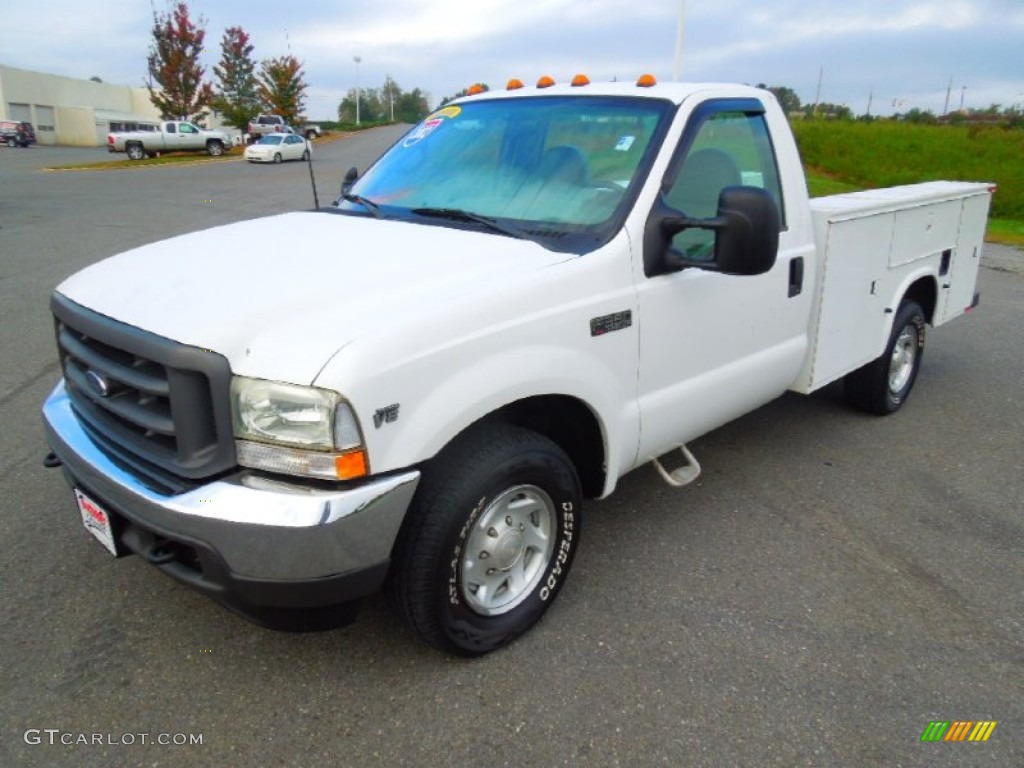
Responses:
[530,294]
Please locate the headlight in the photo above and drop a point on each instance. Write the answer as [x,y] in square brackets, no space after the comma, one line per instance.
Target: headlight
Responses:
[297,430]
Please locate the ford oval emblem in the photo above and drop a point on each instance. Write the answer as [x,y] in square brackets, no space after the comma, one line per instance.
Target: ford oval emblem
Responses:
[98,383]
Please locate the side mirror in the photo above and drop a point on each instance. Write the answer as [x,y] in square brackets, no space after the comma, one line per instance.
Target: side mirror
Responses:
[351,177]
[749,242]
[746,234]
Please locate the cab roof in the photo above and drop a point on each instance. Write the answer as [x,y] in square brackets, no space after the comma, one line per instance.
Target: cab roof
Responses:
[670,91]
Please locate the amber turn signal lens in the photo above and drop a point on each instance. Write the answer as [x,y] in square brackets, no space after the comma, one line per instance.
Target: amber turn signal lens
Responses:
[349,466]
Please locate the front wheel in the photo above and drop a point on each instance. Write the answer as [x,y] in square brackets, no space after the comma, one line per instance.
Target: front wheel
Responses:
[305,156]
[277,158]
[215,148]
[12,142]
[489,540]
[883,385]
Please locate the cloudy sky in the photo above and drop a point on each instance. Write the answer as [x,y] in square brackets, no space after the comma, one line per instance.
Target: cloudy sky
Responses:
[900,53]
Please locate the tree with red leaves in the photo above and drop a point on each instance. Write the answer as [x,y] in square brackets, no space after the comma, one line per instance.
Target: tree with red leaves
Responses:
[174,65]
[282,87]
[237,96]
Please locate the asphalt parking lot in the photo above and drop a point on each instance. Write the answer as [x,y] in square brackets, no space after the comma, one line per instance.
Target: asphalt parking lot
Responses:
[832,584]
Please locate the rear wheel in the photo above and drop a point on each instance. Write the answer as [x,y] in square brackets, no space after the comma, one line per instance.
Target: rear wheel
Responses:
[135,151]
[12,142]
[883,385]
[488,541]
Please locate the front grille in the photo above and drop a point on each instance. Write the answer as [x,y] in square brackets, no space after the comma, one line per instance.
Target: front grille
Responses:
[144,396]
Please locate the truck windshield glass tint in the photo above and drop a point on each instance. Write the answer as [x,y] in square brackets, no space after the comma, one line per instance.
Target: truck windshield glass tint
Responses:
[567,163]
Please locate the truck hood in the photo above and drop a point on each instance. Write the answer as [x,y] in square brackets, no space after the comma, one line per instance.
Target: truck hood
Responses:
[280,296]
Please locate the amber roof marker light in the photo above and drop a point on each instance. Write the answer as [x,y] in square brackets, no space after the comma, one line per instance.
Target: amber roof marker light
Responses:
[646,81]
[580,80]
[475,89]
[545,81]
[514,84]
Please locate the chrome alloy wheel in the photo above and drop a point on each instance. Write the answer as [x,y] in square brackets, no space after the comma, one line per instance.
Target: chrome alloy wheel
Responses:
[508,549]
[904,354]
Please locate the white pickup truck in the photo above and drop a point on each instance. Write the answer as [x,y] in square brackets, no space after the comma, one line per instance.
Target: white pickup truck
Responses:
[169,136]
[532,293]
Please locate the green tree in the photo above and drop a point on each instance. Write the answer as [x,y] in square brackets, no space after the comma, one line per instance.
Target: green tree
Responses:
[787,97]
[463,92]
[389,103]
[827,111]
[174,66]
[237,97]
[372,107]
[282,87]
[411,107]
[924,116]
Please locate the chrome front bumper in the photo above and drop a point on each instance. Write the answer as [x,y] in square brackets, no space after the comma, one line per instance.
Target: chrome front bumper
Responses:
[253,529]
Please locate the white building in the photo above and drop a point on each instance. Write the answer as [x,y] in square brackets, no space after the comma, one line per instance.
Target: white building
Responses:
[66,110]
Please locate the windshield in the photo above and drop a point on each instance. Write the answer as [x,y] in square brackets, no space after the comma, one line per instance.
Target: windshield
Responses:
[270,140]
[566,163]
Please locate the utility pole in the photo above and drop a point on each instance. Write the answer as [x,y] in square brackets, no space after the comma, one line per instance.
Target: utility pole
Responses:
[817,93]
[357,59]
[871,98]
[963,93]
[680,26]
[949,88]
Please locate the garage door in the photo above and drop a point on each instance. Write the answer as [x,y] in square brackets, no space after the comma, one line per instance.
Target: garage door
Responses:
[45,125]
[19,112]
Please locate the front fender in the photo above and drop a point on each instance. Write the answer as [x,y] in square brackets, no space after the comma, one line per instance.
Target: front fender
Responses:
[429,419]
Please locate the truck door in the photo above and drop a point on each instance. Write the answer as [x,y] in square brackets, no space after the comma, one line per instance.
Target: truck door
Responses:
[714,346]
[188,136]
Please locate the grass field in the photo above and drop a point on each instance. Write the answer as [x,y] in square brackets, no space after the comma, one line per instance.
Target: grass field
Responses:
[846,156]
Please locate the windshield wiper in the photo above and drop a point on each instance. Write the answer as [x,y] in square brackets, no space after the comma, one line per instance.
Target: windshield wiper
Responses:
[368,204]
[457,214]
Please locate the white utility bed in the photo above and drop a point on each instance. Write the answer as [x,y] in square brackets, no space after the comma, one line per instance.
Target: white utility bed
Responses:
[875,244]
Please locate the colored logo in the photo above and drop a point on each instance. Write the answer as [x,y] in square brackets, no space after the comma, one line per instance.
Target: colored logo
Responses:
[958,730]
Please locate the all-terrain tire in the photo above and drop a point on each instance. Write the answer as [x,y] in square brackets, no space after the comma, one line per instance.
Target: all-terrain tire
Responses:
[488,541]
[882,386]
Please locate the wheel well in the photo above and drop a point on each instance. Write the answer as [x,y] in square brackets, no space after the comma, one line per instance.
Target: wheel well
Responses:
[569,423]
[925,293]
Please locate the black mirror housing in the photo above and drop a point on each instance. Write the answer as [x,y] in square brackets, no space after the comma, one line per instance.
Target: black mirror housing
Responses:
[746,234]
[749,241]
[351,177]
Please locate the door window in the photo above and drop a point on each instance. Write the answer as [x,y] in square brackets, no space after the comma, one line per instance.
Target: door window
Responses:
[729,149]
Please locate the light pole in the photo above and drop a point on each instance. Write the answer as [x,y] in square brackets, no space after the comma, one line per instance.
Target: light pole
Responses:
[357,59]
[680,25]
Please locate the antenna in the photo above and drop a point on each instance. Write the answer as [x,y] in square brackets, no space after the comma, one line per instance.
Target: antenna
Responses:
[312,179]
